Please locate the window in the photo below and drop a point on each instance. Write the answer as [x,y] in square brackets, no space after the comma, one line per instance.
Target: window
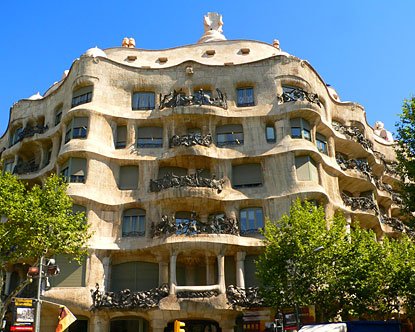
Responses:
[72,274]
[150,137]
[74,170]
[15,137]
[270,134]
[8,166]
[183,221]
[321,143]
[58,115]
[251,220]
[136,276]
[300,128]
[128,177]
[229,135]
[246,175]
[306,169]
[245,97]
[77,128]
[121,137]
[82,96]
[143,101]
[134,223]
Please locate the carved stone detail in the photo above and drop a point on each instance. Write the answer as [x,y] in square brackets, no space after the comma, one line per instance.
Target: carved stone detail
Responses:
[215,225]
[126,299]
[191,140]
[296,94]
[244,297]
[171,180]
[178,98]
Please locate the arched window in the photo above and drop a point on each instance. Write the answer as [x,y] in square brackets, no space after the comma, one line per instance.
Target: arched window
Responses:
[134,223]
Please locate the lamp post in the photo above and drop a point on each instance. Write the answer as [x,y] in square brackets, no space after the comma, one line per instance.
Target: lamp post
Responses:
[38,303]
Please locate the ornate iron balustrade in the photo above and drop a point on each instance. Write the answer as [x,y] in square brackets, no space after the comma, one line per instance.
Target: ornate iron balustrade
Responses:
[127,299]
[171,180]
[24,168]
[178,98]
[244,297]
[191,140]
[393,222]
[361,203]
[391,168]
[354,134]
[397,198]
[354,164]
[296,94]
[30,131]
[193,226]
[196,294]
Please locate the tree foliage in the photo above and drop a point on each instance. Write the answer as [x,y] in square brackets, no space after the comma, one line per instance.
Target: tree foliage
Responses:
[346,273]
[38,221]
[406,154]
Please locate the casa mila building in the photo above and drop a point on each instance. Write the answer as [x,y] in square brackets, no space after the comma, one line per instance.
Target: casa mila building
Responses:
[177,157]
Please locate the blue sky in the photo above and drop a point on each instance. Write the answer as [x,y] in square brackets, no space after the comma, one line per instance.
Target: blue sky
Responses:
[363,48]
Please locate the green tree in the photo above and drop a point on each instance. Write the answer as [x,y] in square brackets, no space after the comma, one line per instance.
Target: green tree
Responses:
[37,221]
[406,155]
[310,260]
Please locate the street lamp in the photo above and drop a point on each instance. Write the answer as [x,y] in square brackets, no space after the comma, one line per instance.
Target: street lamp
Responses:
[38,272]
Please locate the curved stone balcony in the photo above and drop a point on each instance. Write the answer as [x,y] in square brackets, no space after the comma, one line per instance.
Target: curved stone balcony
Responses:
[354,134]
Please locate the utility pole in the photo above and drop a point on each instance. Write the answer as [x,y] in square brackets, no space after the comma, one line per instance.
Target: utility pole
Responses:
[38,303]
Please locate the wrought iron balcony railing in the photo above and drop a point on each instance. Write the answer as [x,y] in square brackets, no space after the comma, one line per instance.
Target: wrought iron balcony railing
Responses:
[25,167]
[354,134]
[360,203]
[171,180]
[295,94]
[127,299]
[191,140]
[178,98]
[244,297]
[193,226]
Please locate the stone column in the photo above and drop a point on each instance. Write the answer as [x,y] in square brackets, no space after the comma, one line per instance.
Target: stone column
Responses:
[221,273]
[331,147]
[131,133]
[240,269]
[210,271]
[163,272]
[173,281]
[99,323]
[107,273]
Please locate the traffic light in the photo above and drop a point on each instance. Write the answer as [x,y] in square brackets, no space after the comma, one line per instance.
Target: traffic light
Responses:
[178,326]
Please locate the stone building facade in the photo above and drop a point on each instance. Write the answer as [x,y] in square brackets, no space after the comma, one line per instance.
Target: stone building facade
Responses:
[177,157]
